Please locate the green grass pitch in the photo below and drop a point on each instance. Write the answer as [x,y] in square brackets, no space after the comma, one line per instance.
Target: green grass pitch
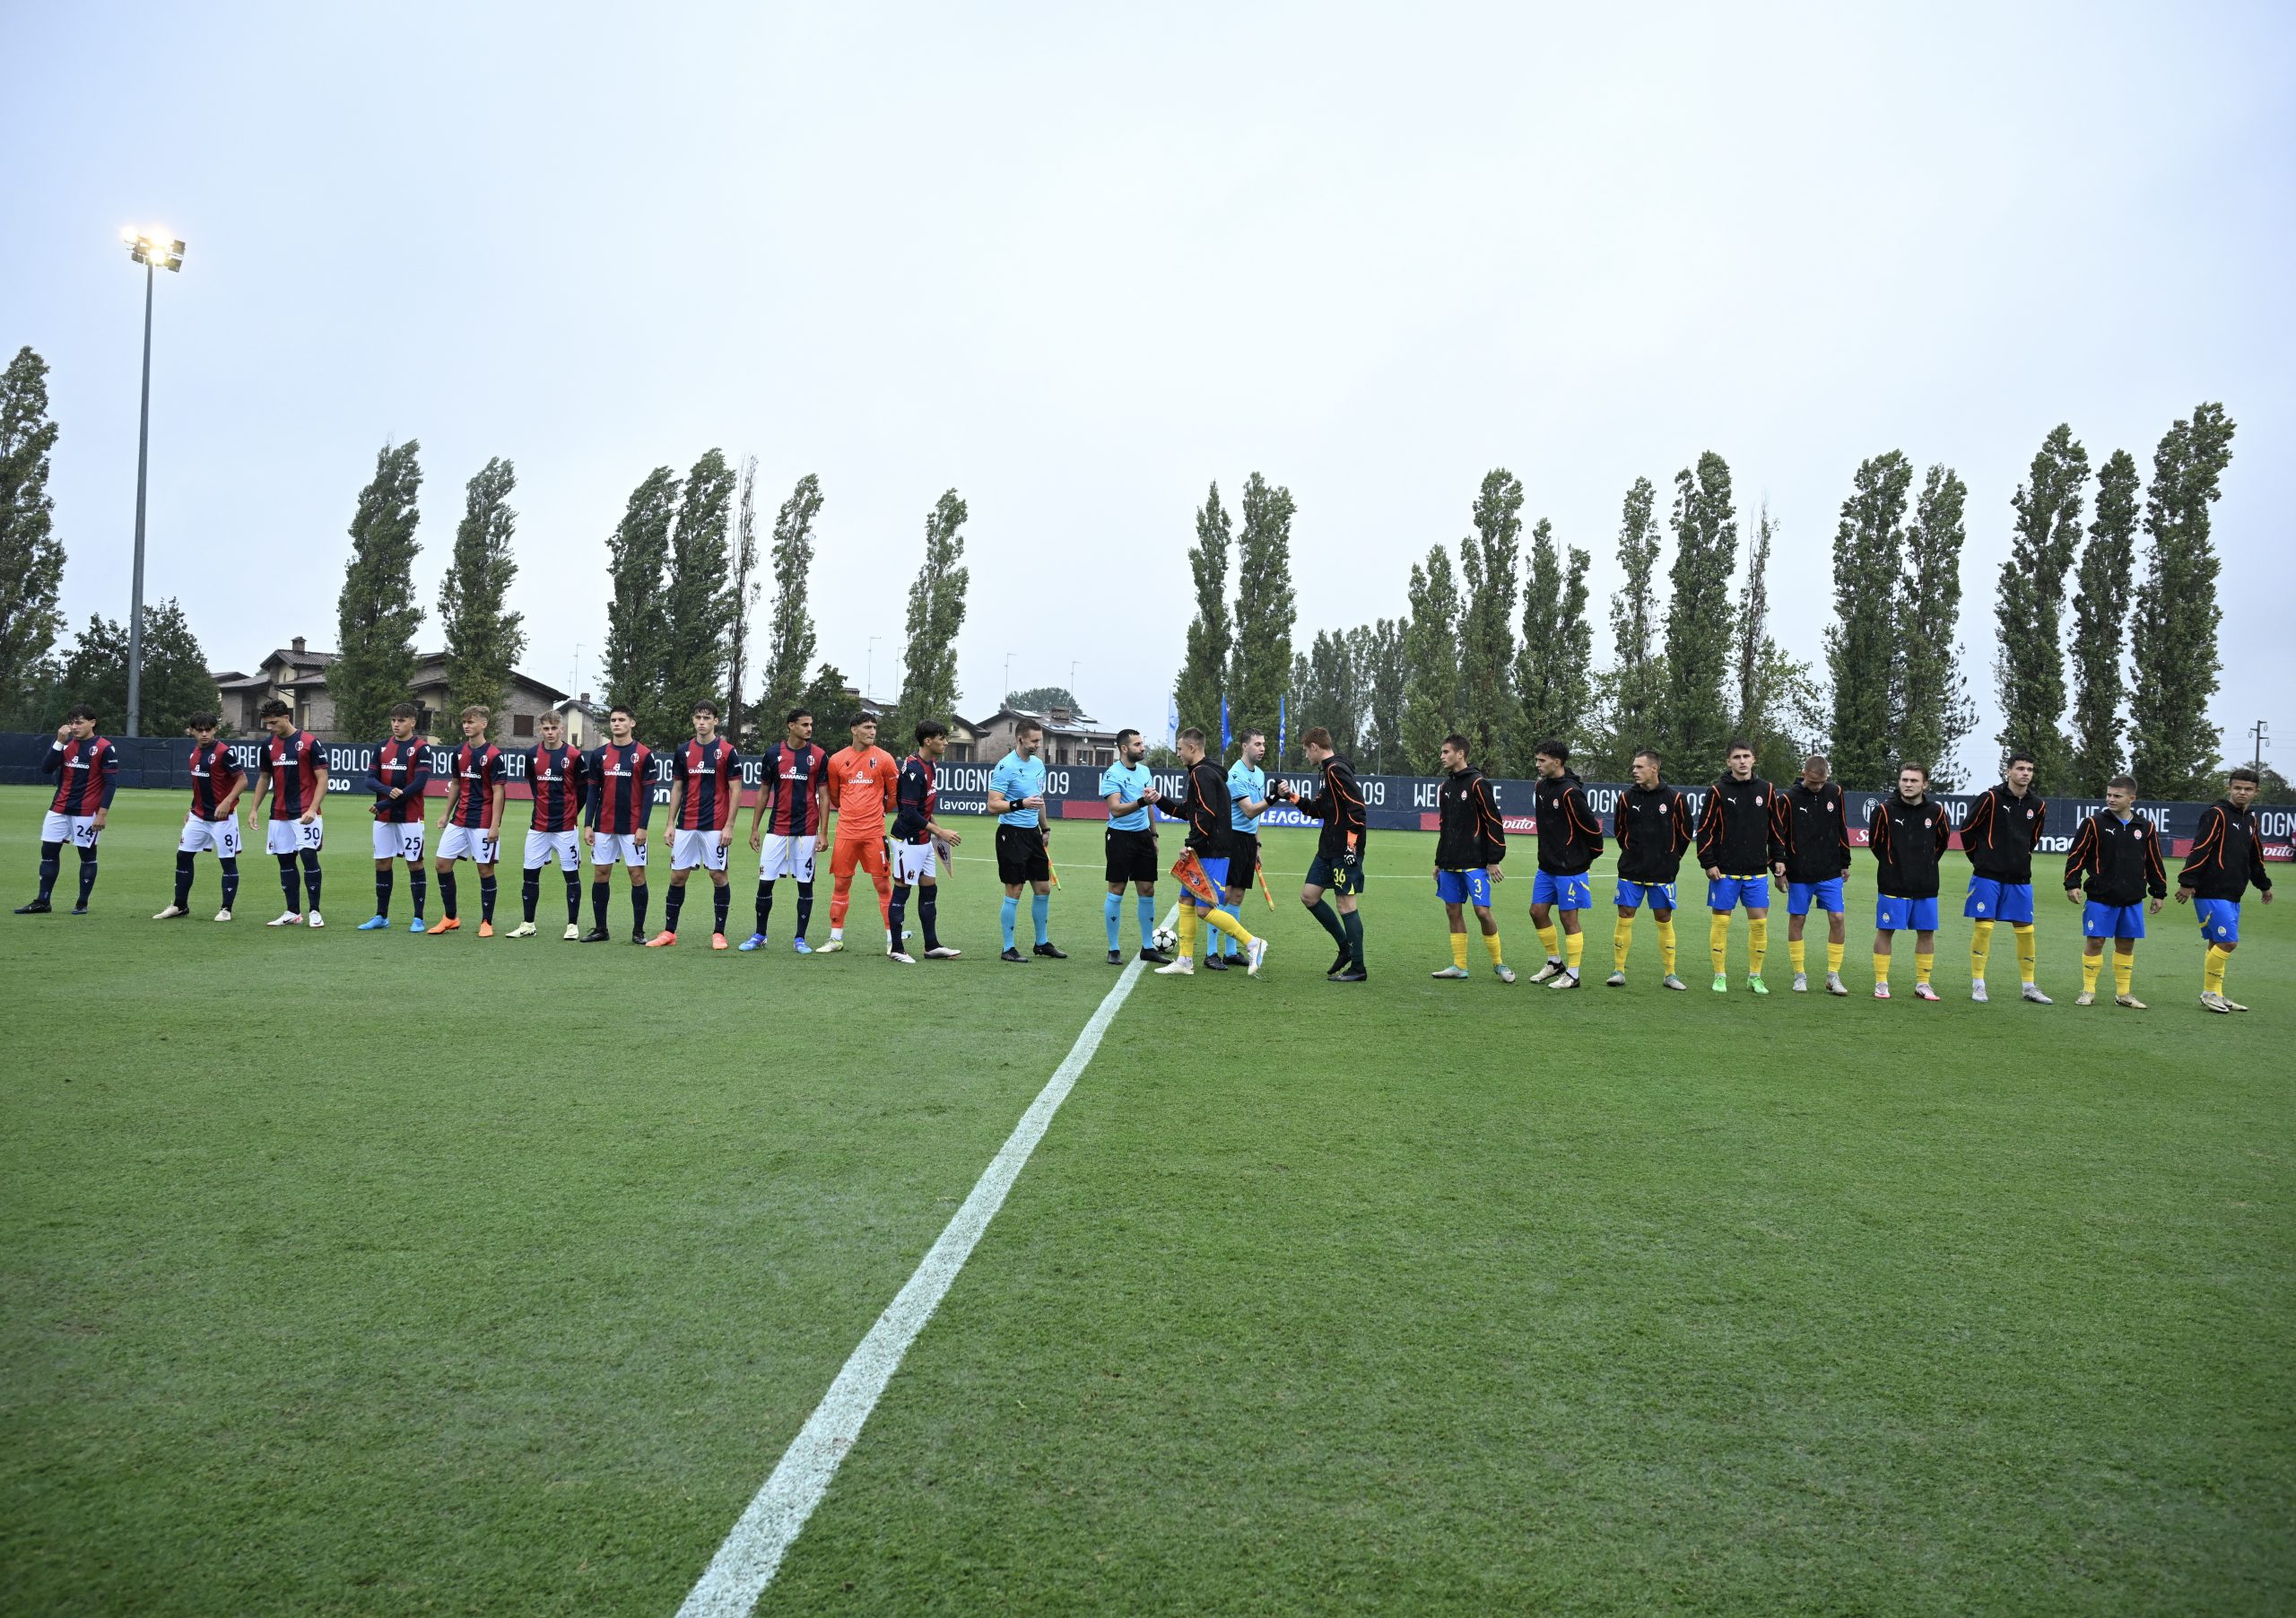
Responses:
[368,1274]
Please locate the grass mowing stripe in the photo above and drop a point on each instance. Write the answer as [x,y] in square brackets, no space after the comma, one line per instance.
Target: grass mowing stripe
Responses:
[729,1587]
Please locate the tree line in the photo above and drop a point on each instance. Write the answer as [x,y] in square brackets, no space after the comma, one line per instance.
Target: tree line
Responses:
[1494,639]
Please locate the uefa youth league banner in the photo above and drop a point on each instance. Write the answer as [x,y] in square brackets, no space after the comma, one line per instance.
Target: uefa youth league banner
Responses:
[1392,803]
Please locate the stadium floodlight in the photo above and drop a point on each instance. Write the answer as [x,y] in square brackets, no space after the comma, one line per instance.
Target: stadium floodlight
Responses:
[155,250]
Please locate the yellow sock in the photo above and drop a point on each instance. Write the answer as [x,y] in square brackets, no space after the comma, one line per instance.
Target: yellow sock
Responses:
[1229,925]
[2212,971]
[2091,965]
[1796,951]
[2124,973]
[1834,953]
[1187,932]
[1717,941]
[1547,942]
[1757,944]
[1881,966]
[2029,951]
[1622,941]
[1491,943]
[1923,960]
[1980,946]
[1574,946]
[1665,944]
[1459,951]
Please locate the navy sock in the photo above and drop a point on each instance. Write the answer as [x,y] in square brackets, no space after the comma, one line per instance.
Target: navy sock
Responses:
[573,898]
[721,900]
[51,861]
[446,893]
[311,876]
[637,910]
[418,888]
[87,875]
[1323,912]
[764,906]
[804,907]
[600,892]
[1351,923]
[530,892]
[185,864]
[486,891]
[290,885]
[383,880]
[928,915]
[231,864]
[898,914]
[670,907]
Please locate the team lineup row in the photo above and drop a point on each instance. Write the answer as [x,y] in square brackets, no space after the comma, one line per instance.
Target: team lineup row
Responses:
[1751,838]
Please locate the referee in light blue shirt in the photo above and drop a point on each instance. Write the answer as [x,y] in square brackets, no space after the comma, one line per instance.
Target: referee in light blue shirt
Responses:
[1247,801]
[1130,792]
[1023,856]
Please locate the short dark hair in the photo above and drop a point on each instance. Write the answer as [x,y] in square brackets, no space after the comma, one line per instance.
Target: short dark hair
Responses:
[926,729]
[81,710]
[272,709]
[1121,735]
[1026,727]
[1906,764]
[202,720]
[1454,740]
[1736,744]
[1254,731]
[2243,773]
[2128,781]
[1190,735]
[1556,748]
[405,710]
[796,714]
[1817,758]
[1315,735]
[864,717]
[1649,753]
[622,707]
[706,707]
[2021,757]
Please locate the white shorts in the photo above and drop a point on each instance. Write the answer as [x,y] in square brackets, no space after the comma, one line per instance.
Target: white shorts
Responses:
[199,836]
[566,845]
[292,837]
[399,839]
[912,863]
[469,842]
[609,849]
[707,849]
[786,857]
[76,829]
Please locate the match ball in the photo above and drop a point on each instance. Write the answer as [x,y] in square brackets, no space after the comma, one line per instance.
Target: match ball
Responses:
[1167,940]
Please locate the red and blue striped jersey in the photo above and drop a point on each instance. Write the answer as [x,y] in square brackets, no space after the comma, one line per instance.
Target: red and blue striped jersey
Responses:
[914,795]
[558,776]
[90,772]
[294,763]
[712,773]
[406,767]
[477,766]
[621,787]
[212,775]
[789,783]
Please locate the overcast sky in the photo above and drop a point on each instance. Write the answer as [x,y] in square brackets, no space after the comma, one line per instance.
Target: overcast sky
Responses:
[1077,263]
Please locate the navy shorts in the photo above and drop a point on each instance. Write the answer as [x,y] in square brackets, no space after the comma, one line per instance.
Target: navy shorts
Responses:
[1335,877]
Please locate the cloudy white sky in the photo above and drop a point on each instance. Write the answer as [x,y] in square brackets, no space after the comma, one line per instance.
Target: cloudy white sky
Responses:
[1079,262]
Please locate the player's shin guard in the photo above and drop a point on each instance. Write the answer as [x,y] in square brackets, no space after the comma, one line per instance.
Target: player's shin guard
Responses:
[1797,954]
[487,890]
[804,907]
[1757,944]
[1491,943]
[51,861]
[87,875]
[573,897]
[385,879]
[1350,924]
[1881,966]
[1228,946]
[2091,965]
[897,917]
[446,893]
[885,900]
[1717,941]
[1574,949]
[1144,911]
[721,900]
[637,897]
[1665,944]
[764,904]
[185,864]
[601,891]
[2124,973]
[1007,914]
[1459,951]
[928,915]
[2029,951]
[418,889]
[530,894]
[290,885]
[1222,922]
[1980,948]
[1186,927]
[1550,943]
[230,866]
[311,876]
[1112,913]
[1041,913]
[1323,912]
[1836,953]
[671,906]
[1924,962]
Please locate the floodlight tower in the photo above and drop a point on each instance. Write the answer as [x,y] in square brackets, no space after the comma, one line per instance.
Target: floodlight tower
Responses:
[155,250]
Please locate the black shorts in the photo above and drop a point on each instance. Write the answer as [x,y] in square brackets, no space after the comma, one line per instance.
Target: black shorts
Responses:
[1132,855]
[1019,855]
[1243,858]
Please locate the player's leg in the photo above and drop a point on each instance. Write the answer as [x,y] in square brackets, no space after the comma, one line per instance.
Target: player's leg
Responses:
[601,890]
[1925,957]
[1320,880]
[55,831]
[279,841]
[1571,896]
[530,871]
[1350,924]
[721,897]
[1721,900]
[450,844]
[844,859]
[2124,973]
[1144,910]
[1543,893]
[1040,915]
[875,862]
[1479,898]
[1455,917]
[308,840]
[86,840]
[1663,918]
[1837,941]
[1757,941]
[1884,946]
[1622,931]
[2092,962]
[488,891]
[1797,915]
[633,864]
[386,873]
[806,852]
[196,836]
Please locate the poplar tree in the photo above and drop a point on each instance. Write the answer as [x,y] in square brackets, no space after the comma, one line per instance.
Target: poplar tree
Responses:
[697,599]
[1209,635]
[1777,695]
[638,553]
[32,560]
[1754,624]
[1328,692]
[746,589]
[2173,746]
[376,612]
[485,640]
[1861,643]
[1430,660]
[2100,626]
[1379,650]
[790,640]
[1635,686]
[1698,616]
[2028,606]
[1935,712]
[1491,562]
[936,613]
[1552,678]
[1259,664]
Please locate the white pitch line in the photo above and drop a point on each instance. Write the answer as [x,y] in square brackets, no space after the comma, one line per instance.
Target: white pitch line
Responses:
[729,1587]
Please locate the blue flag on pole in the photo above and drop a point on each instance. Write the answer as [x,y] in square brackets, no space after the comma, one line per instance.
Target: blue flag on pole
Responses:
[1226,740]
[1283,724]
[1172,723]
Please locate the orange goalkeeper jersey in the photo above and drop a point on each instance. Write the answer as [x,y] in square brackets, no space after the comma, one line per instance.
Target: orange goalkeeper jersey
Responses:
[861,789]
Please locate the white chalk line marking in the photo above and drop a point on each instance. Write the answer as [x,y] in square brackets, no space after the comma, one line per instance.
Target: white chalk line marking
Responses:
[736,1576]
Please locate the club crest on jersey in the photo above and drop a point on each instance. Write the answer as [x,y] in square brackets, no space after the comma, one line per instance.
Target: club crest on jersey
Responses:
[1757,800]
